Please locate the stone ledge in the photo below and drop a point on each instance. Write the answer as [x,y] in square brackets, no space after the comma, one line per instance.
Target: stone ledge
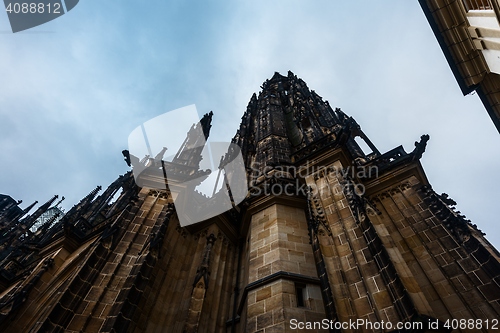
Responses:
[273,277]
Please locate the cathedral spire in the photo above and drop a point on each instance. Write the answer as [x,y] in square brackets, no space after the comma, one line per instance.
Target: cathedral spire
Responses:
[189,154]
[288,122]
[206,124]
[30,207]
[83,204]
[43,208]
[59,202]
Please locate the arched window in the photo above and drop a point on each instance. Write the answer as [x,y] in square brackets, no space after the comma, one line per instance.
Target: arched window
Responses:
[363,145]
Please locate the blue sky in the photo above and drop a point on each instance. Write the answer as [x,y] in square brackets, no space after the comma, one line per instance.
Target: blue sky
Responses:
[73,89]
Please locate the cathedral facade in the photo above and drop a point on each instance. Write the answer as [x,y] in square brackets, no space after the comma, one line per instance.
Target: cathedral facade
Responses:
[333,236]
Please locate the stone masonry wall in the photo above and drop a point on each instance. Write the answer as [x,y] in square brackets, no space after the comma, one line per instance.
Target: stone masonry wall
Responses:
[279,242]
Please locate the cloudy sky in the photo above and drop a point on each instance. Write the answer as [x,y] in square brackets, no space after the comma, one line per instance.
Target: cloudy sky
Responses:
[73,89]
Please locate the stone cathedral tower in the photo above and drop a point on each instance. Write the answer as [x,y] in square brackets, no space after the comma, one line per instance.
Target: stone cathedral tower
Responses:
[330,233]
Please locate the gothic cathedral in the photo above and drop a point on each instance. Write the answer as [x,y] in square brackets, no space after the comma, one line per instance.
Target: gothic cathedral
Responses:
[331,233]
